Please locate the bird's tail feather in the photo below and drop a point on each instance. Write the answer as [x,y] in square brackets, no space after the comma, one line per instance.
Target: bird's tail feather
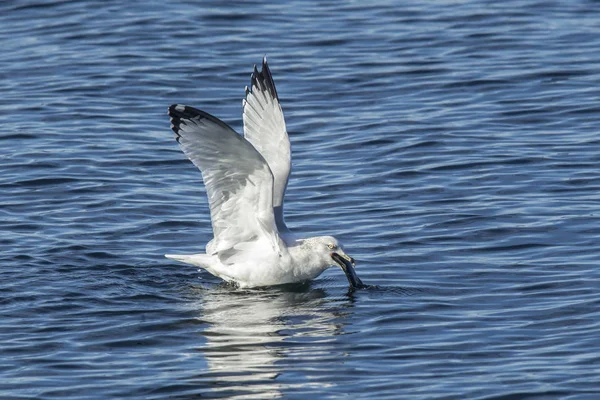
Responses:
[199,260]
[178,257]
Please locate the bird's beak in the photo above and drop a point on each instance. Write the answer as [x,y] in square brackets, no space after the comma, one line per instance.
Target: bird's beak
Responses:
[347,264]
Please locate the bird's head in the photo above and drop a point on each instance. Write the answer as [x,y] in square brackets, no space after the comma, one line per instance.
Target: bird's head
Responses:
[332,253]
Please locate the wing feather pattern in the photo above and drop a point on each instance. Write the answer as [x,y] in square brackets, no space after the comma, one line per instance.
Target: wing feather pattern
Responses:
[239,183]
[264,127]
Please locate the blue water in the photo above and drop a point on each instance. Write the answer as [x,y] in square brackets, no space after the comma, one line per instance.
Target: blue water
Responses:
[452,146]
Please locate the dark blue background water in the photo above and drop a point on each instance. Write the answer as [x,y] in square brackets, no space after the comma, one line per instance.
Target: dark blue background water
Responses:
[451,145]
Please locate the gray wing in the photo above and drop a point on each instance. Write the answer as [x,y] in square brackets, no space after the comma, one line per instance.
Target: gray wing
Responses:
[264,127]
[238,181]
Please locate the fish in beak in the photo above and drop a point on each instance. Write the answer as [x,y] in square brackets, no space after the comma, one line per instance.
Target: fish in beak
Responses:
[346,263]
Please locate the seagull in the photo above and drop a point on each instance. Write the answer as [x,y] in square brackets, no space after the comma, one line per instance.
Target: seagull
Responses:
[245,179]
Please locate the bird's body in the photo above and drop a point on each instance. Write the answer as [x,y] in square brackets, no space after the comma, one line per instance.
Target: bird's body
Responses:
[245,179]
[260,266]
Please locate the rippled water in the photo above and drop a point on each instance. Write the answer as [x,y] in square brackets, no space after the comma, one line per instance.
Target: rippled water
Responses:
[451,145]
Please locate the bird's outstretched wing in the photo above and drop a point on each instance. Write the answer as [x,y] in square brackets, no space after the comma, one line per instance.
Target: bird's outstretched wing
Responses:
[238,181]
[264,127]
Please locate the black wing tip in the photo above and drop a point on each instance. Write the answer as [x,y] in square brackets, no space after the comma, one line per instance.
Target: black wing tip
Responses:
[180,113]
[264,79]
[183,111]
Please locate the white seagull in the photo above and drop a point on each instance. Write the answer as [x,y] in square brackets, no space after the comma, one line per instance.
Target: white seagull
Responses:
[245,179]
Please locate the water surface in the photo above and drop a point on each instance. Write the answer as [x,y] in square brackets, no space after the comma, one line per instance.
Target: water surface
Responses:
[452,146]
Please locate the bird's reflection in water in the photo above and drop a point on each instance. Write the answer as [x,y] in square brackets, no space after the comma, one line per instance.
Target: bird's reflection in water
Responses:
[249,331]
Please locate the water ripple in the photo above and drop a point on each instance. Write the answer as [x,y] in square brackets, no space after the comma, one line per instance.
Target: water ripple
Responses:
[451,146]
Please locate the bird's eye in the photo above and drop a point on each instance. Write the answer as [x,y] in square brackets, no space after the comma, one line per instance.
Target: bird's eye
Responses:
[331,246]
